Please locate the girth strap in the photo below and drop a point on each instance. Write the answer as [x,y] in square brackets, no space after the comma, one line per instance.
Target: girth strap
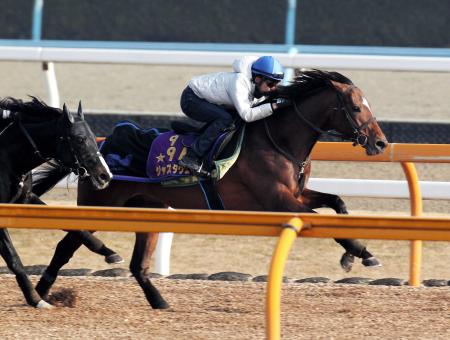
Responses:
[212,196]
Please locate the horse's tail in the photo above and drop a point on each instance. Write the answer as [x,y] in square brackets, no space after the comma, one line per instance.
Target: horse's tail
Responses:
[47,176]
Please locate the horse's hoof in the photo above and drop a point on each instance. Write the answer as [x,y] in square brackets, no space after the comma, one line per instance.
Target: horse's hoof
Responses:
[347,260]
[371,262]
[44,305]
[114,259]
[160,305]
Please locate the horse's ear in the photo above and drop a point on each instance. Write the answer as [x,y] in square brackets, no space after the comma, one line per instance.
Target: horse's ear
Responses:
[69,117]
[80,111]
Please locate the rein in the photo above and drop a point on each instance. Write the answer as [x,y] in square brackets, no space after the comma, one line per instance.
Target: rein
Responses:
[31,141]
[301,165]
[79,170]
[27,136]
[358,138]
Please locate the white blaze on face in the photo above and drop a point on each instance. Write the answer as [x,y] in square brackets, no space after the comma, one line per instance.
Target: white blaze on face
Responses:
[366,103]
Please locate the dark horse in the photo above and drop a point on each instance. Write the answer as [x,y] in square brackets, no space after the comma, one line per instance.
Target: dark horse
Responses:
[269,175]
[32,133]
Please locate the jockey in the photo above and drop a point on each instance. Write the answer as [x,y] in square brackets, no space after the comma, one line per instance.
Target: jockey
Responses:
[215,98]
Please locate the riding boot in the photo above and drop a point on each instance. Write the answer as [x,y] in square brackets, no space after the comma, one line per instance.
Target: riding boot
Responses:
[193,158]
[206,140]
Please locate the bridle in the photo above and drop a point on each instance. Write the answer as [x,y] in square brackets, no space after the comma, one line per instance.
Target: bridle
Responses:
[75,167]
[358,136]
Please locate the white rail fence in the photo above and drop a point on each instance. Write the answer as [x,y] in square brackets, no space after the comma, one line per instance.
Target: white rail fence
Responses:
[342,187]
[223,58]
[431,190]
[48,55]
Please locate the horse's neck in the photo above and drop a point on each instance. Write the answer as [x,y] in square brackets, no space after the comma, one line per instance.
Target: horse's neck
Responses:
[10,177]
[21,153]
[293,133]
[6,182]
[22,159]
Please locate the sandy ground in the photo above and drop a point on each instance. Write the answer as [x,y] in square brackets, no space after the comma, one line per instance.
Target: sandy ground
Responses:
[205,310]
[229,310]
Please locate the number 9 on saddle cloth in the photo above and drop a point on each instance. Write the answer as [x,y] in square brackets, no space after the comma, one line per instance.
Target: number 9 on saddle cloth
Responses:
[152,155]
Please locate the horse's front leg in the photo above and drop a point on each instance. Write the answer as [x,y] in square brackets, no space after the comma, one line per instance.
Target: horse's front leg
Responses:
[316,199]
[139,266]
[12,259]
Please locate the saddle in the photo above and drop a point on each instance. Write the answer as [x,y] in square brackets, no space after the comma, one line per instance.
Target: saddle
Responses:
[152,155]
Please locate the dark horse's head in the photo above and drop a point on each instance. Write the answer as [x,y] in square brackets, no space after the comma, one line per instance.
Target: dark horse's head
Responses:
[349,115]
[59,135]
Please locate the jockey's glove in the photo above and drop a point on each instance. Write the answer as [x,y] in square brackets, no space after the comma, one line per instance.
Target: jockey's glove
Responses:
[281,103]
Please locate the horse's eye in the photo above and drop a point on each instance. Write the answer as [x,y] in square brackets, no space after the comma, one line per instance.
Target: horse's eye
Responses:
[356,109]
[80,140]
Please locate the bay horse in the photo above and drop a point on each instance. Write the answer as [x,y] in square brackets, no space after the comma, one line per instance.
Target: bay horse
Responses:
[32,133]
[269,175]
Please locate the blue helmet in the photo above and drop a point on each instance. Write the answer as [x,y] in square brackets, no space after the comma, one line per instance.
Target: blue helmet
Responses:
[268,67]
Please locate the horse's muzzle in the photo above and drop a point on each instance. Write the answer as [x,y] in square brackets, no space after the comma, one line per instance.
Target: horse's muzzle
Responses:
[376,148]
[101,176]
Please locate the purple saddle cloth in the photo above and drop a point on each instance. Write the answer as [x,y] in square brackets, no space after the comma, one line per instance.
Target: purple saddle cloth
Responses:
[149,155]
[165,153]
[145,155]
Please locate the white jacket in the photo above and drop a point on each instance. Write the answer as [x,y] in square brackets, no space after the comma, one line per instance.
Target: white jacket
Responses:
[232,90]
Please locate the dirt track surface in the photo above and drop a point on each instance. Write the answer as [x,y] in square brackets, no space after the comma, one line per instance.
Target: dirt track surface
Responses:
[115,309]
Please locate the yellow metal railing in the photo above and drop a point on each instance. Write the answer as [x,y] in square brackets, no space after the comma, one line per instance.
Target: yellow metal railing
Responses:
[285,225]
[395,152]
[279,259]
[223,222]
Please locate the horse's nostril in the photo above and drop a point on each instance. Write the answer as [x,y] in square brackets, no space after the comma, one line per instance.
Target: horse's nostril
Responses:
[381,144]
[105,177]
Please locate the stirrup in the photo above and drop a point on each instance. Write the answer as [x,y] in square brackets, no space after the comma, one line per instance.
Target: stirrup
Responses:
[202,172]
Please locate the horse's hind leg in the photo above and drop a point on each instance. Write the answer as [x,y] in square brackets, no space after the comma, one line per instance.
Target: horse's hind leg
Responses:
[144,247]
[316,199]
[14,263]
[140,262]
[87,238]
[63,253]
[98,247]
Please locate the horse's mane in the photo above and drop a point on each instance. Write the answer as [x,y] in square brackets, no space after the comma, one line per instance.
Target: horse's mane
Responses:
[306,83]
[35,108]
